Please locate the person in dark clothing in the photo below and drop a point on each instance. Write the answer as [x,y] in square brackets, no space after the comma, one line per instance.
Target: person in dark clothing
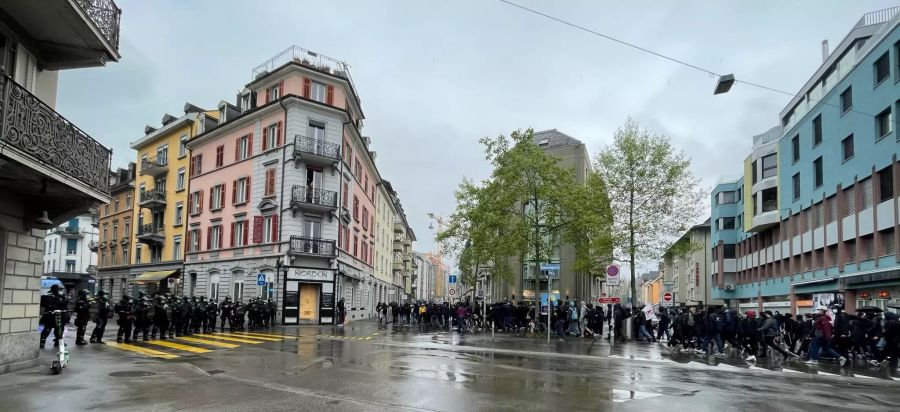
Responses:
[770,330]
[104,312]
[618,317]
[341,312]
[891,335]
[731,328]
[125,312]
[788,324]
[714,323]
[82,314]
[700,330]
[53,300]
[663,326]
[750,336]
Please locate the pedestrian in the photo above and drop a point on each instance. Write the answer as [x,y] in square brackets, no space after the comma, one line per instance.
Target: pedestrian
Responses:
[341,309]
[663,326]
[55,299]
[572,317]
[104,312]
[82,313]
[770,331]
[822,339]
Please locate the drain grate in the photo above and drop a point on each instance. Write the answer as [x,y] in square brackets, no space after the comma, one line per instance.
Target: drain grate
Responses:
[131,374]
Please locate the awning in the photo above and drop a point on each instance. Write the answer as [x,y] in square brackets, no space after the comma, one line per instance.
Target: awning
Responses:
[154,276]
[814,286]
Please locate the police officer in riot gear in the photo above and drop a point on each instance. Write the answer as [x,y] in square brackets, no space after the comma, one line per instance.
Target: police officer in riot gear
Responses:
[82,314]
[212,308]
[225,310]
[171,302]
[187,311]
[142,317]
[125,311]
[104,312]
[53,300]
[160,318]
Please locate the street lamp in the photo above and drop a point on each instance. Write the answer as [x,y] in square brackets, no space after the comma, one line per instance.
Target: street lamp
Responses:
[724,84]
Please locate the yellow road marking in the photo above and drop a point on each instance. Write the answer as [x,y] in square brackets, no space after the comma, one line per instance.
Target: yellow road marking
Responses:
[142,351]
[249,337]
[178,346]
[368,338]
[266,335]
[208,342]
[230,338]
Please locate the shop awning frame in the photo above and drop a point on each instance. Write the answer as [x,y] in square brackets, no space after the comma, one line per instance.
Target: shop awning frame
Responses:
[154,276]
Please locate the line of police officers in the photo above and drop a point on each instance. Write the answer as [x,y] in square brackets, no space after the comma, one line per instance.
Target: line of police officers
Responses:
[162,314]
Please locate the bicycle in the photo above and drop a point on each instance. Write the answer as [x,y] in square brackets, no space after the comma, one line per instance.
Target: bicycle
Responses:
[62,352]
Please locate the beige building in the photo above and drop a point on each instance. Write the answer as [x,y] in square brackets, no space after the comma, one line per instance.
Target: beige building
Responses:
[689,270]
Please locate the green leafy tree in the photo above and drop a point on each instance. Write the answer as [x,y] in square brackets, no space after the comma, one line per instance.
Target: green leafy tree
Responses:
[653,193]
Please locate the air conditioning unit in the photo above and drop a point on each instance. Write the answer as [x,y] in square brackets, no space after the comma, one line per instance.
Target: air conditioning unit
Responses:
[729,286]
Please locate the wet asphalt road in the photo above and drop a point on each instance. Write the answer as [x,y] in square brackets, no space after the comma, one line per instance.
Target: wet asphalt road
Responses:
[362,367]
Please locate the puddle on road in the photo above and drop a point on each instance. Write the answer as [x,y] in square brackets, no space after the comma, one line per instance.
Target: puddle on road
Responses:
[621,395]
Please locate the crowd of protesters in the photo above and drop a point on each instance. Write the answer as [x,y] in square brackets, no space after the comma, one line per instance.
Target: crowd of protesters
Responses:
[870,336]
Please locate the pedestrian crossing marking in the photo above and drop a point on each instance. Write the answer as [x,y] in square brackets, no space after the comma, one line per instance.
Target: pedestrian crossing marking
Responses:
[142,351]
[208,342]
[229,338]
[173,345]
[368,338]
[265,335]
[248,337]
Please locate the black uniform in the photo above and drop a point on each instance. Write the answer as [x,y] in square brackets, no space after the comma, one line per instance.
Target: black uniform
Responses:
[161,312]
[198,315]
[225,310]
[143,317]
[237,317]
[212,309]
[104,312]
[272,311]
[82,314]
[186,312]
[55,300]
[125,311]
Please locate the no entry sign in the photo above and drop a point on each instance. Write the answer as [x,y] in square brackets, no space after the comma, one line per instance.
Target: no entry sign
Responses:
[612,275]
[667,299]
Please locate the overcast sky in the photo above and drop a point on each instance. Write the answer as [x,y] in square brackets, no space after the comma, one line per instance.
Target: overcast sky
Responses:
[434,76]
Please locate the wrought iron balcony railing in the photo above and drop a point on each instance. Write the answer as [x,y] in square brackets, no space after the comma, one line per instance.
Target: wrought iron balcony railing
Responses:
[30,126]
[317,147]
[318,197]
[154,165]
[153,196]
[312,246]
[150,229]
[106,16]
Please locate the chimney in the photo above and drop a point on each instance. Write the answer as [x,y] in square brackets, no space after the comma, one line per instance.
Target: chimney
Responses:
[824,50]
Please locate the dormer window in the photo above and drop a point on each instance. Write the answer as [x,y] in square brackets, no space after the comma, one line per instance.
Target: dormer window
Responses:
[223,112]
[201,122]
[318,92]
[273,92]
[245,102]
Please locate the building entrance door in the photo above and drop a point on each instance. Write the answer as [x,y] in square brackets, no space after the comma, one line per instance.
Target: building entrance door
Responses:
[309,303]
[291,302]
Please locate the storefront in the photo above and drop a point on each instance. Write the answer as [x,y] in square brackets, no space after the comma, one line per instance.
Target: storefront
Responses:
[162,281]
[308,296]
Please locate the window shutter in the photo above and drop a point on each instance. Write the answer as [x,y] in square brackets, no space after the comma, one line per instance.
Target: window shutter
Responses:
[247,189]
[190,236]
[200,200]
[268,95]
[257,229]
[250,144]
[232,234]
[209,238]
[246,228]
[234,191]
[221,235]
[279,135]
[210,198]
[190,203]
[274,228]
[265,141]
[237,149]
[329,97]
[281,88]
[307,85]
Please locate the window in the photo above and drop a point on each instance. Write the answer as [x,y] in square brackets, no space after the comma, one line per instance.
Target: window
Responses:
[217,197]
[795,148]
[214,237]
[882,68]
[70,266]
[239,233]
[125,256]
[728,251]
[245,102]
[817,172]
[176,248]
[214,287]
[116,205]
[769,166]
[220,156]
[160,184]
[137,254]
[243,148]
[270,228]
[316,130]
[182,146]
[867,195]
[850,199]
[884,123]
[240,192]
[271,136]
[817,130]
[318,92]
[270,182]
[346,196]
[847,99]
[727,223]
[196,164]
[795,181]
[770,200]
[355,208]
[162,154]
[847,148]
[273,93]
[128,200]
[195,203]
[355,245]
[237,286]
[71,246]
[885,184]
[887,242]
[179,211]
[365,218]
[194,240]
[357,169]
[127,233]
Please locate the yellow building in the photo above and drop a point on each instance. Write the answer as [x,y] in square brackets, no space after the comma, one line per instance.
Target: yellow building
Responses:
[161,188]
[651,291]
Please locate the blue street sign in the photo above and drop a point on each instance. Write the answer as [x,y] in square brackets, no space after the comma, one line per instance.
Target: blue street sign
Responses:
[261,279]
[550,266]
[452,279]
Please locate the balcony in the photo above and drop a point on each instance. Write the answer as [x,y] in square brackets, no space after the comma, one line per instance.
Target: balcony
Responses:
[153,199]
[102,244]
[398,245]
[70,232]
[69,33]
[95,220]
[398,265]
[399,228]
[154,166]
[318,200]
[151,233]
[307,246]
[46,159]
[93,246]
[316,152]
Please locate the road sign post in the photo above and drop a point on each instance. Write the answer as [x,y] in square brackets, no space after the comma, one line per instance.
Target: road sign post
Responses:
[667,299]
[612,275]
[261,279]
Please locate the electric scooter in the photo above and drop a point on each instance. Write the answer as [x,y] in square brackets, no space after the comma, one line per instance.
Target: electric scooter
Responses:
[62,352]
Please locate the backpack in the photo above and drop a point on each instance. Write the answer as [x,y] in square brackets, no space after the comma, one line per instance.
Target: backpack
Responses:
[573,313]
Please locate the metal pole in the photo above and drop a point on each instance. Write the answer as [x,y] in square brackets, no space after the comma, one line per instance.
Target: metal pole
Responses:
[549,307]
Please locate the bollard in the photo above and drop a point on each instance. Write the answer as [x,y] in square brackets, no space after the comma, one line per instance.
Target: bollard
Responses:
[492,330]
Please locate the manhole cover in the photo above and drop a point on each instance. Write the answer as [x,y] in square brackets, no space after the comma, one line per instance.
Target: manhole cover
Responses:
[131,374]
